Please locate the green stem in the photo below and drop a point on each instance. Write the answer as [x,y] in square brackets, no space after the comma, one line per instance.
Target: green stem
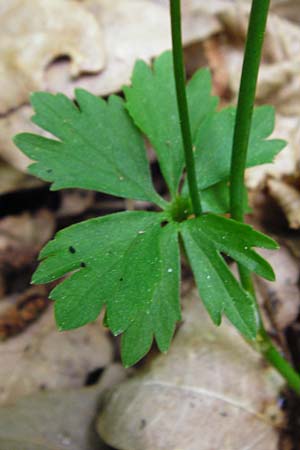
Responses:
[179,74]
[266,347]
[253,51]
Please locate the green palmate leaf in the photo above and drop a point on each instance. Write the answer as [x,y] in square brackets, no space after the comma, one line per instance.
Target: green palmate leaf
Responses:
[151,101]
[99,148]
[126,261]
[214,144]
[204,239]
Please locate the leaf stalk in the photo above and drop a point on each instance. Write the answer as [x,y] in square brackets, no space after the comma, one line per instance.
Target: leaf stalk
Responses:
[179,74]
[246,99]
[252,58]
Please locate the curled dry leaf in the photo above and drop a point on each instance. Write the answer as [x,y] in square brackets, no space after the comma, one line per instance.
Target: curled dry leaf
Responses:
[278,84]
[25,310]
[209,376]
[281,65]
[288,198]
[57,420]
[43,358]
[34,33]
[129,33]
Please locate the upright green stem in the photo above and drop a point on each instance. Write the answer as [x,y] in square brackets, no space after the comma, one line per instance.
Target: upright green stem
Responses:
[253,51]
[179,74]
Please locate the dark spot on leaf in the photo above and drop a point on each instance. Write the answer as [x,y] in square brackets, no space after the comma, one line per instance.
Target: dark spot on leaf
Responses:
[49,170]
[121,279]
[76,104]
[72,249]
[82,264]
[164,223]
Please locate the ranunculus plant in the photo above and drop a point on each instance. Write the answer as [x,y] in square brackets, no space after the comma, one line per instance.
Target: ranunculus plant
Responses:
[129,262]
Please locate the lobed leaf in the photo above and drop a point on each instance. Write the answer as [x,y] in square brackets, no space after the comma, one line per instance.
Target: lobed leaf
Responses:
[151,102]
[98,147]
[236,240]
[215,138]
[204,239]
[125,261]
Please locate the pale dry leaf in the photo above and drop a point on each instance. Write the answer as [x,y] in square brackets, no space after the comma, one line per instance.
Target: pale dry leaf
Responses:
[56,420]
[212,8]
[288,198]
[27,229]
[278,84]
[12,180]
[75,202]
[24,234]
[278,81]
[287,8]
[10,125]
[34,33]
[210,392]
[281,297]
[130,32]
[43,358]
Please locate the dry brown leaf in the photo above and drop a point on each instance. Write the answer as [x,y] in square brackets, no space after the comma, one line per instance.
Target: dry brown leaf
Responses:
[75,202]
[280,66]
[282,296]
[34,33]
[43,358]
[288,198]
[12,180]
[26,308]
[129,33]
[22,236]
[278,84]
[11,124]
[210,392]
[56,420]
[287,8]
[130,30]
